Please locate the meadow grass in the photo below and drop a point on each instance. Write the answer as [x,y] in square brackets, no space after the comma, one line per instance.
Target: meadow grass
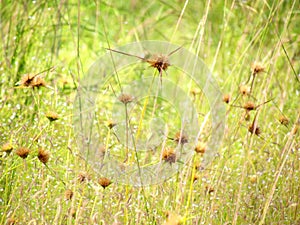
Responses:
[253,180]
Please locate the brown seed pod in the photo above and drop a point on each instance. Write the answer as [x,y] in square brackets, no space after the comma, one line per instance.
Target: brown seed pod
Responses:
[52,116]
[284,120]
[169,155]
[226,98]
[181,138]
[104,182]
[83,176]
[200,148]
[125,98]
[43,155]
[257,68]
[69,194]
[7,147]
[111,124]
[249,106]
[23,152]
[257,130]
[11,221]
[244,90]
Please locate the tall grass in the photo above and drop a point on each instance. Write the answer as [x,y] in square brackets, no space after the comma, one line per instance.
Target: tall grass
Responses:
[253,180]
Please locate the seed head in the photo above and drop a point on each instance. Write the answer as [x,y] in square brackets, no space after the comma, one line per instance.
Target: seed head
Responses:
[283,120]
[83,176]
[7,147]
[31,80]
[52,116]
[257,130]
[200,148]
[249,106]
[43,155]
[68,194]
[104,182]
[160,62]
[169,155]
[181,138]
[11,221]
[257,68]
[125,98]
[226,98]
[23,152]
[111,124]
[244,90]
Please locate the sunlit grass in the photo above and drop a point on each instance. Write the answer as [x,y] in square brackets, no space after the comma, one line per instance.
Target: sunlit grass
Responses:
[253,180]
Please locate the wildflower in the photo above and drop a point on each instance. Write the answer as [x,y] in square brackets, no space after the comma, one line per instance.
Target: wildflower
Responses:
[7,147]
[181,138]
[169,155]
[244,90]
[200,147]
[283,120]
[257,130]
[68,194]
[32,80]
[257,68]
[249,106]
[125,98]
[23,152]
[226,98]
[52,116]
[11,221]
[83,177]
[111,124]
[43,155]
[104,182]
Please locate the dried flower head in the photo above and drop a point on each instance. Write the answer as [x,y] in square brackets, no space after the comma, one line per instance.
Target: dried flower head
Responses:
[52,116]
[104,182]
[111,124]
[32,80]
[257,68]
[23,152]
[169,155]
[249,106]
[7,147]
[226,98]
[11,221]
[244,90]
[43,155]
[160,62]
[257,130]
[181,138]
[83,176]
[68,194]
[284,120]
[38,82]
[200,148]
[125,98]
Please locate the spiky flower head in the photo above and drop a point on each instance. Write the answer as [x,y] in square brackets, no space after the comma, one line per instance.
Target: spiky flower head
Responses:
[52,116]
[104,182]
[23,152]
[43,155]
